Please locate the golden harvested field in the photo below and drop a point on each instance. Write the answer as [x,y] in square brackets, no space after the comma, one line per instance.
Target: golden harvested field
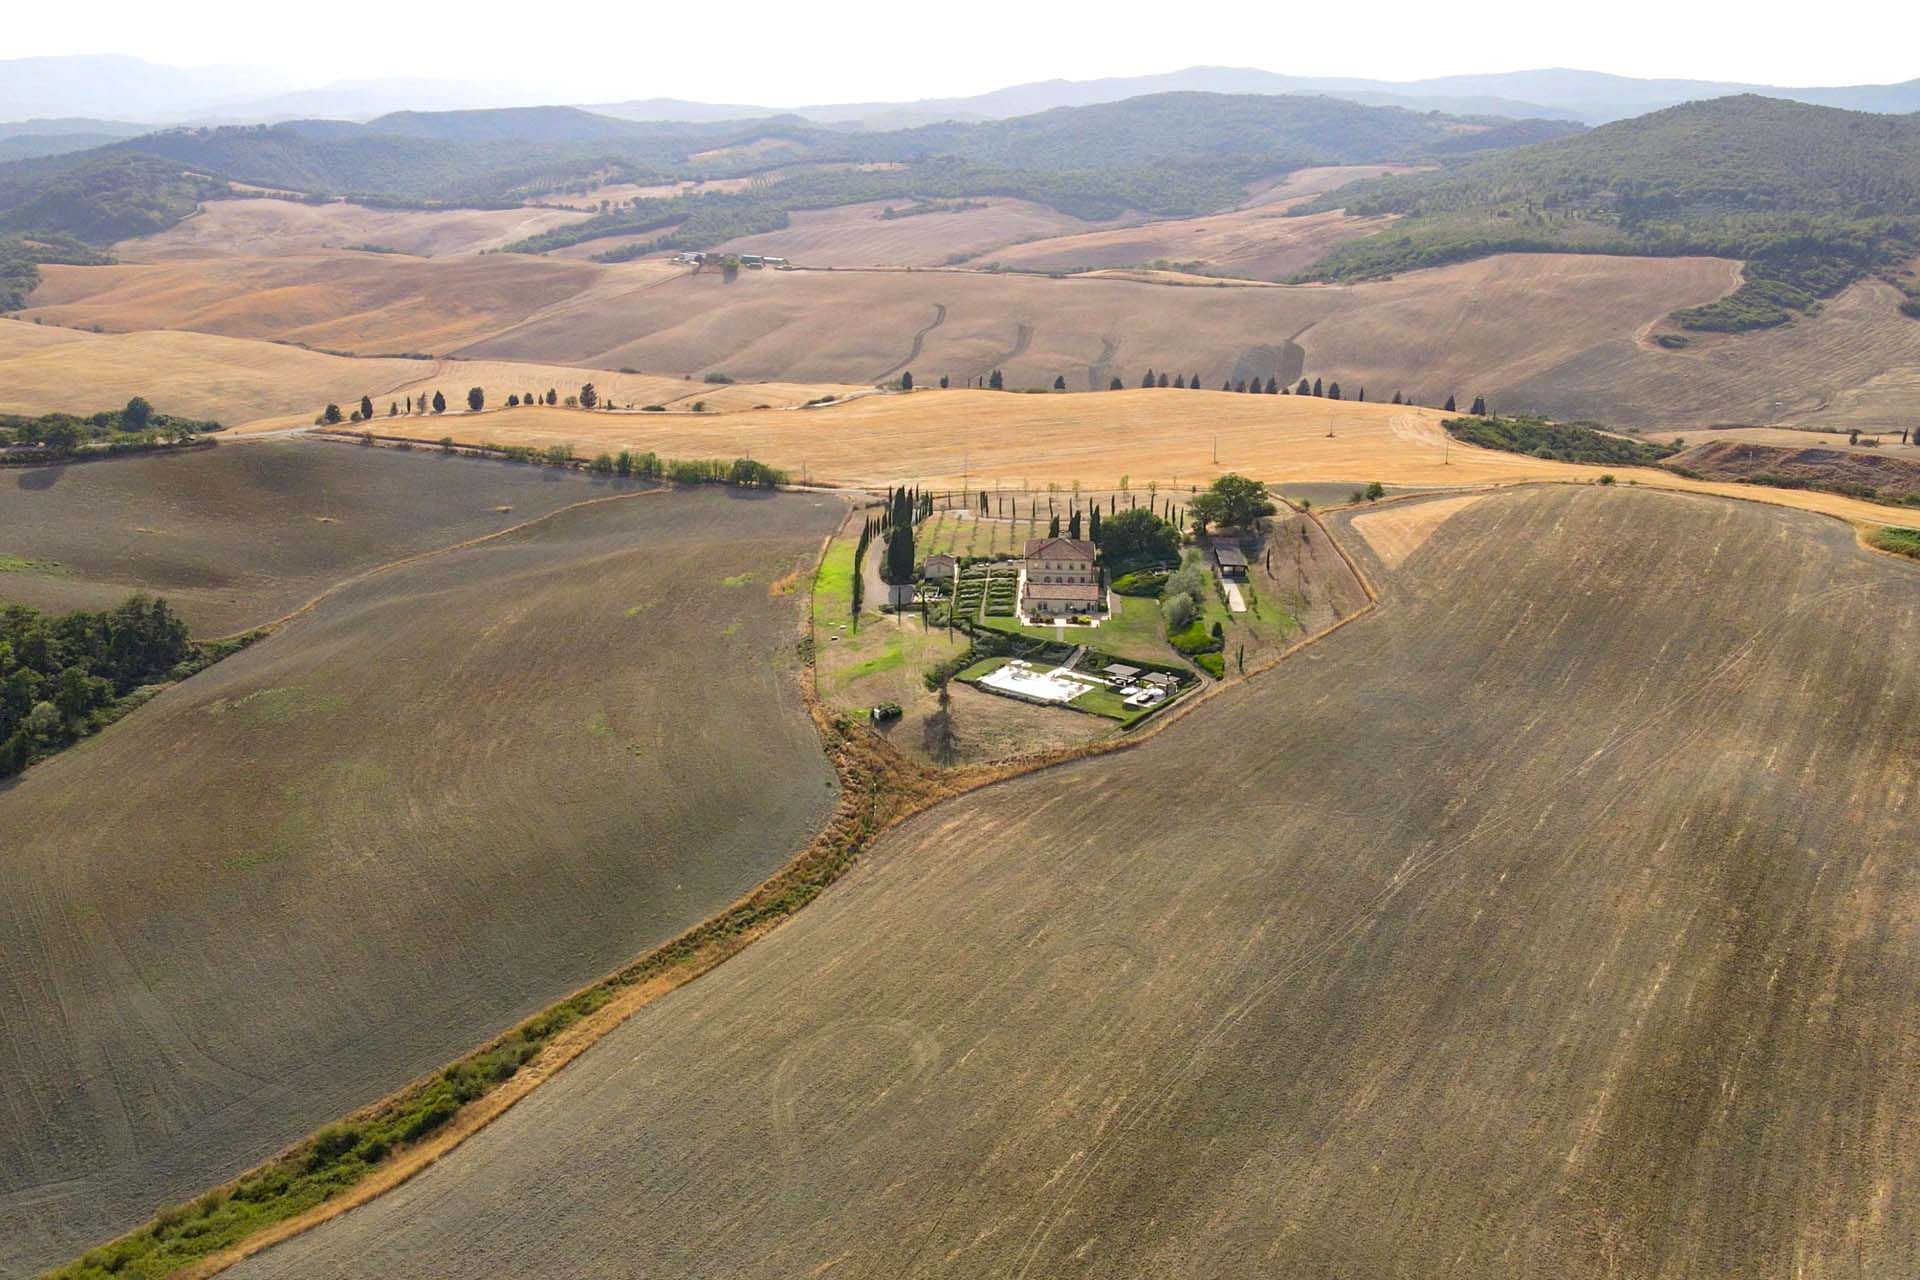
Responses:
[1856,363]
[1459,330]
[441,799]
[855,235]
[1561,334]
[366,303]
[1398,529]
[1260,243]
[1256,241]
[993,439]
[44,368]
[270,385]
[1554,919]
[1303,183]
[249,227]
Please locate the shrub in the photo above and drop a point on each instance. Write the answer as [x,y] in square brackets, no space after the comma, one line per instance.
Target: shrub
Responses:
[1905,542]
[1179,608]
[1211,663]
[1146,582]
[602,465]
[719,379]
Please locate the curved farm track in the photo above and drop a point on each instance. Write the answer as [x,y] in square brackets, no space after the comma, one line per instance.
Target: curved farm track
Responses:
[919,343]
[1547,921]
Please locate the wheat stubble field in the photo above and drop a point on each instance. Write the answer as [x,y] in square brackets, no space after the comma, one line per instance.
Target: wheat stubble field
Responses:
[1547,921]
[441,799]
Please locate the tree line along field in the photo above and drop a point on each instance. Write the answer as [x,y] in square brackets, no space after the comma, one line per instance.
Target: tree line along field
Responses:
[1546,921]
[264,385]
[441,799]
[1177,440]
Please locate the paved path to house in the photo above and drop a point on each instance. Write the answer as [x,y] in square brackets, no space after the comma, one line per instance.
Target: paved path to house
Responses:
[1236,603]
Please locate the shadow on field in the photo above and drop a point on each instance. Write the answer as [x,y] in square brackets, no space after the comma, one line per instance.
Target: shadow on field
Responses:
[40,478]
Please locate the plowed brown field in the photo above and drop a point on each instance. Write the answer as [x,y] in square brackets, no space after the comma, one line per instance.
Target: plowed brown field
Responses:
[1553,920]
[440,800]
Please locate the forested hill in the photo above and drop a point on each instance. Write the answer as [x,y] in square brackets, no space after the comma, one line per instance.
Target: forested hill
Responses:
[1170,154]
[1812,197]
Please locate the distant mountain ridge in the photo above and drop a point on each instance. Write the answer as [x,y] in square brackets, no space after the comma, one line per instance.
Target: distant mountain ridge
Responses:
[123,88]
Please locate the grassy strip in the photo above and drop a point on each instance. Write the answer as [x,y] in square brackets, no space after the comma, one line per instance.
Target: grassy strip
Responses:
[1902,542]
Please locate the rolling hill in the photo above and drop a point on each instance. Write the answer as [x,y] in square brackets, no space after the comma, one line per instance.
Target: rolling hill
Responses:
[443,797]
[1546,921]
[1175,153]
[1812,198]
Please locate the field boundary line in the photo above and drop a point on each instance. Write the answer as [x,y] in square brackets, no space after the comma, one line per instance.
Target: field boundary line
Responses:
[272,625]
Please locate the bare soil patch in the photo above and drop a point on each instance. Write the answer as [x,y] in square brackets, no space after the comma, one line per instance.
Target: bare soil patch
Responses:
[1046,1034]
[238,535]
[435,803]
[857,235]
[1837,465]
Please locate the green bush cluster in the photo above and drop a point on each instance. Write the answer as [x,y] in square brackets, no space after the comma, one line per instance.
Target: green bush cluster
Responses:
[136,425]
[62,678]
[1147,583]
[1904,542]
[1562,442]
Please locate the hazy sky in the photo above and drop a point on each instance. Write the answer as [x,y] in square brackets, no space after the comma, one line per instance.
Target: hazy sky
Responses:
[851,50]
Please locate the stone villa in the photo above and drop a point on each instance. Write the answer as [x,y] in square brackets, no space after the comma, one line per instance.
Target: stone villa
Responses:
[1061,579]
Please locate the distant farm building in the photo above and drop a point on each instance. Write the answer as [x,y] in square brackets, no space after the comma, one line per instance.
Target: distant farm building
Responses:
[940,568]
[1231,559]
[1061,579]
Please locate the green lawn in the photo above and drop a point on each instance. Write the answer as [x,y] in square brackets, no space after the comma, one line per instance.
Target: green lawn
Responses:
[833,584]
[1105,702]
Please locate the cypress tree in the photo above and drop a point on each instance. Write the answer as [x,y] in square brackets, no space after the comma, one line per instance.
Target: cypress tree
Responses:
[1073,525]
[1053,527]
[1163,379]
[1449,405]
[1479,406]
[1180,381]
[1148,380]
[1093,524]
[1333,391]
[996,382]
[1273,386]
[1193,383]
[1303,389]
[1316,387]
[1060,382]
[1116,384]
